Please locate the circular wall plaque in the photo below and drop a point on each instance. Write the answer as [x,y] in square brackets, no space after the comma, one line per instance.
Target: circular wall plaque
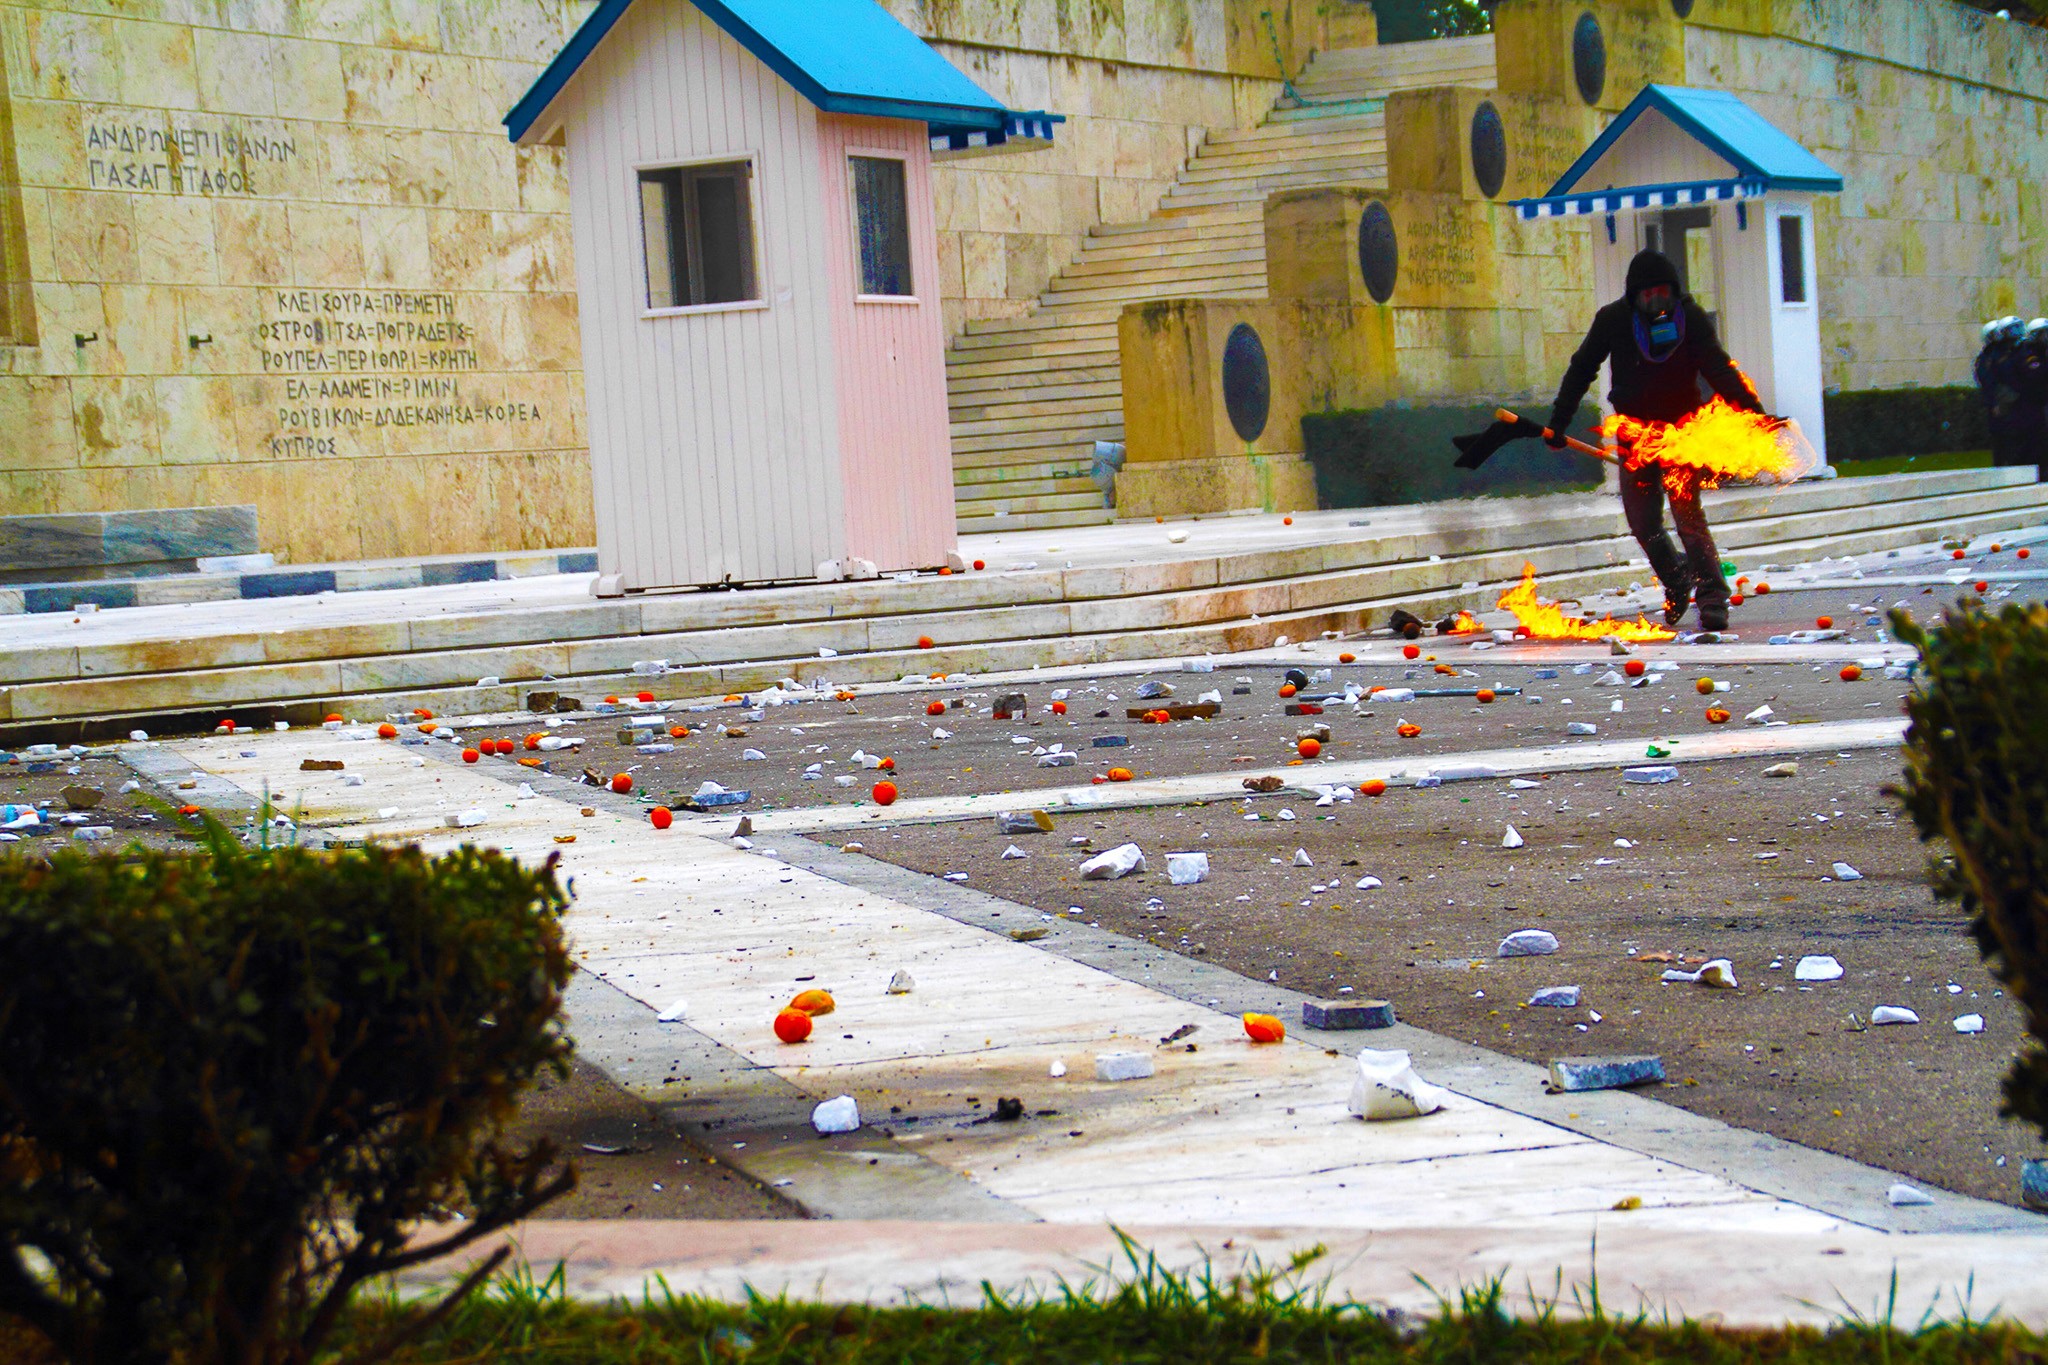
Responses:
[1589,57]
[1379,254]
[1682,8]
[1247,382]
[1489,149]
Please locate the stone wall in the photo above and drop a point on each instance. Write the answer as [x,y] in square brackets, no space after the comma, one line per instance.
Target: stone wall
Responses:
[282,254]
[1141,82]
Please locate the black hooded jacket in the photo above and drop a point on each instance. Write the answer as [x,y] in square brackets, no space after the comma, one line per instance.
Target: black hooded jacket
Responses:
[1662,390]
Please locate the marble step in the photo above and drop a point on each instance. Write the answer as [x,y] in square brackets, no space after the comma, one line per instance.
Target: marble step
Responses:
[1043,471]
[1067,399]
[1088,499]
[1222,169]
[1008,490]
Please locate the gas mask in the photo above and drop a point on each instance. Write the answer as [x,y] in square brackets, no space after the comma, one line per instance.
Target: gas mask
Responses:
[1658,307]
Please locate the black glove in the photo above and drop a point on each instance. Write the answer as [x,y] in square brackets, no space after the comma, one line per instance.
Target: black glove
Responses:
[1553,434]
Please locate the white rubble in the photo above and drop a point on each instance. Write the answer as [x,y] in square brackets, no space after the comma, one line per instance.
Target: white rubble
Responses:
[1301,858]
[1186,869]
[901,984]
[1903,1195]
[1720,972]
[1845,873]
[674,1013]
[1893,1014]
[1117,862]
[839,1115]
[1969,1023]
[1387,1087]
[1528,943]
[1122,1066]
[1817,967]
[1512,839]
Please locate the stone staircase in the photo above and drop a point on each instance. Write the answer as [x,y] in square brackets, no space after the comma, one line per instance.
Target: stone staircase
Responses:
[1031,395]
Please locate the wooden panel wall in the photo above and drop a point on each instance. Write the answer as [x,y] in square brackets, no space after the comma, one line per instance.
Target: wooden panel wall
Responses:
[895,445]
[713,435]
[1654,152]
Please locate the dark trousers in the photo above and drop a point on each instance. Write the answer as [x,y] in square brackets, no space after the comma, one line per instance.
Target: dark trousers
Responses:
[1642,500]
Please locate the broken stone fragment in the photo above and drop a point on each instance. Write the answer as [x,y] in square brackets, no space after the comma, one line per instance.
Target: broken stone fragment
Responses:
[1720,972]
[1147,690]
[1581,727]
[1264,784]
[1117,862]
[1347,1014]
[1512,839]
[1186,869]
[1787,769]
[1845,873]
[1572,1074]
[1064,758]
[1122,1066]
[85,798]
[1024,822]
[1009,704]
[1029,935]
[901,984]
[1528,943]
[674,1013]
[1893,1014]
[464,819]
[1386,1087]
[840,1115]
[309,765]
[1901,1195]
[1301,858]
[1556,997]
[1110,741]
[1657,773]
[1969,1023]
[1817,967]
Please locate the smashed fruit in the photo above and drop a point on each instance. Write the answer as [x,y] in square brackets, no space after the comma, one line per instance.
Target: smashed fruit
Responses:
[1264,1028]
[792,1026]
[1407,731]
[1288,689]
[1716,716]
[814,1002]
[935,708]
[1119,774]
[887,765]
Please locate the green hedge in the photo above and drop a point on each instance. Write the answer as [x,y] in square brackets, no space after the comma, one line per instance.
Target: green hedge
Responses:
[1385,456]
[1869,424]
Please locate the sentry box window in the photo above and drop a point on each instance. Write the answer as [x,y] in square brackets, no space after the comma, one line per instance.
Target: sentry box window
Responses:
[1791,258]
[881,222]
[697,223]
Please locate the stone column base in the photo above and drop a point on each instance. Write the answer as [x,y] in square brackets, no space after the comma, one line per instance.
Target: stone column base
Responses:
[1223,483]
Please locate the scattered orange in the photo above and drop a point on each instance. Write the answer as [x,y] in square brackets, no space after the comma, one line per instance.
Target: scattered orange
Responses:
[470,755]
[614,701]
[1446,668]
[643,696]
[333,717]
[227,725]
[1824,622]
[188,810]
[1982,586]
[1287,521]
[1309,748]
[1716,716]
[1411,651]
[1059,708]
[1634,668]
[1407,731]
[1119,774]
[1996,547]
[1736,599]
[2023,552]
[980,564]
[1375,787]
[661,817]
[423,713]
[924,642]
[387,731]
[792,1026]
[533,740]
[1955,554]
[622,782]
[1705,687]
[1762,589]
[888,765]
[678,732]
[1264,1028]
[1850,673]
[935,708]
[945,570]
[1484,694]
[814,1002]
[427,727]
[1347,658]
[1288,689]
[885,793]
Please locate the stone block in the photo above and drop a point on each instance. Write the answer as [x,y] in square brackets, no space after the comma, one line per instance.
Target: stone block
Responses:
[1423,249]
[1347,1014]
[1637,42]
[1270,483]
[1572,1074]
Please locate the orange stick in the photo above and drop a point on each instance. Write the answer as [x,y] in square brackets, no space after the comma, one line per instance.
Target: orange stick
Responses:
[1573,442]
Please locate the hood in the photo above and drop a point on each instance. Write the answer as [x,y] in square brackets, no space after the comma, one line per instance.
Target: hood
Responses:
[1649,268]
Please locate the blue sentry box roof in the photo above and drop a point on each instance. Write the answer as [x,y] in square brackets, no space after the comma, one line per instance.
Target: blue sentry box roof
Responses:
[845,56]
[1723,123]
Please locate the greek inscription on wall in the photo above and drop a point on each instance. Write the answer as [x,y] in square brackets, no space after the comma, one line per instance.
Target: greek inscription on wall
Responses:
[355,362]
[1441,248]
[200,156]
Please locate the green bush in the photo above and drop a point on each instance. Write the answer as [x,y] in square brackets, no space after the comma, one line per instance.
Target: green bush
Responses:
[1977,779]
[1382,457]
[1871,424]
[233,1084]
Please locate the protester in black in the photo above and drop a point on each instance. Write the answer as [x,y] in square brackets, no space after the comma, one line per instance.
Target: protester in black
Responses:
[1660,345]
[2028,371]
[1997,374]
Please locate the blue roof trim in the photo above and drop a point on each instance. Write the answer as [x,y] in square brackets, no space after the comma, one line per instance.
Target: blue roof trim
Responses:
[1640,197]
[1724,124]
[573,54]
[844,56]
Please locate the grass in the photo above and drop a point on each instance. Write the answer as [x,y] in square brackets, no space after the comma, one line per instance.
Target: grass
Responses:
[1916,464]
[1147,1315]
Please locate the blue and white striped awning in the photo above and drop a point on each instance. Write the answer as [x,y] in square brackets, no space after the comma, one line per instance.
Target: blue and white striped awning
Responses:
[1632,197]
[1022,131]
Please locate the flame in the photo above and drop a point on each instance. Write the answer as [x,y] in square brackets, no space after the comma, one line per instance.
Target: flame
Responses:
[1717,442]
[1465,624]
[1546,621]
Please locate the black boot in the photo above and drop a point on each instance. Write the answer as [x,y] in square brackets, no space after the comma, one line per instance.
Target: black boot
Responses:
[1713,616]
[1678,596]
